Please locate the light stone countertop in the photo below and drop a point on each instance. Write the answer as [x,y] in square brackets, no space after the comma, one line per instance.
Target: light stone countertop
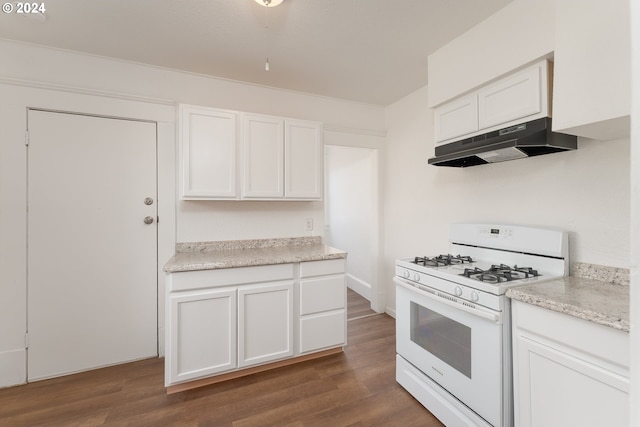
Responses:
[594,300]
[244,253]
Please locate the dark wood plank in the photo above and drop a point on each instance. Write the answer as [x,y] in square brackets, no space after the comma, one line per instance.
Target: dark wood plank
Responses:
[354,388]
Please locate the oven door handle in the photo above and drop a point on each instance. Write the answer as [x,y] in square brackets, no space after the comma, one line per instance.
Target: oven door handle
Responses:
[494,317]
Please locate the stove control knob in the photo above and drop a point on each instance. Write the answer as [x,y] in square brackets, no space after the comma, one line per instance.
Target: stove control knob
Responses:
[405,273]
[416,277]
[474,296]
[458,291]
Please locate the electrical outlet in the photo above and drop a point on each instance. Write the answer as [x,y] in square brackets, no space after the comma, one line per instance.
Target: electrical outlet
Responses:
[309,224]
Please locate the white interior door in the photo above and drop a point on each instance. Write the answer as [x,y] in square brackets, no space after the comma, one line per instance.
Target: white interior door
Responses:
[92,260]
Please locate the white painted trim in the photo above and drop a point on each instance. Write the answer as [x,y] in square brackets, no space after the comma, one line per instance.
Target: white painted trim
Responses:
[634,416]
[81,90]
[360,286]
[183,72]
[342,129]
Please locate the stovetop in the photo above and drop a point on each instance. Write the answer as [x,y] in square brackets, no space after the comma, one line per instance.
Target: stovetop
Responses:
[470,273]
[485,260]
[494,273]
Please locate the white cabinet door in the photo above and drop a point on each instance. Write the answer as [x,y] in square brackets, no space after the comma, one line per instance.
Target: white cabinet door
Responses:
[263,157]
[303,155]
[202,334]
[208,141]
[511,98]
[565,390]
[457,118]
[265,323]
[568,371]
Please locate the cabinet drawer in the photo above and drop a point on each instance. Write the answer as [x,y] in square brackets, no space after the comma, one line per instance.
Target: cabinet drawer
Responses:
[323,267]
[322,330]
[322,294]
[228,276]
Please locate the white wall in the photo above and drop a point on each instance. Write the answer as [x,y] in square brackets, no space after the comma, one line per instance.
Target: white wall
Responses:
[519,33]
[585,192]
[83,83]
[198,220]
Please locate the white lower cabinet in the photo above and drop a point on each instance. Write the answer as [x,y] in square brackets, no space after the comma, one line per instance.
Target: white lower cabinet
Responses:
[226,320]
[265,326]
[203,334]
[322,320]
[568,371]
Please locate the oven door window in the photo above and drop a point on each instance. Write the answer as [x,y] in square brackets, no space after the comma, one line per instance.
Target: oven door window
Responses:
[443,337]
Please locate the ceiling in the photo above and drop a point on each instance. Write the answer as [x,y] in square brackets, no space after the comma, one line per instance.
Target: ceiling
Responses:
[372,51]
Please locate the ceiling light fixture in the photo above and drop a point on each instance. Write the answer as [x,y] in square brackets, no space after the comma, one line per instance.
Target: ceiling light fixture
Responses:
[269,3]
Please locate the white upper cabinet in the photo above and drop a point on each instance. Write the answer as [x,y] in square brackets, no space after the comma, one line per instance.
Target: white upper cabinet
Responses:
[228,155]
[511,98]
[208,152]
[592,57]
[457,118]
[518,97]
[263,157]
[282,158]
[303,155]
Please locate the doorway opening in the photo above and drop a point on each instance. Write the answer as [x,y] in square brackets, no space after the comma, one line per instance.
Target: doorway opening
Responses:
[352,215]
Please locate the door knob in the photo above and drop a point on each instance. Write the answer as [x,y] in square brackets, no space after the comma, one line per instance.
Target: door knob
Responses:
[148,201]
[148,219]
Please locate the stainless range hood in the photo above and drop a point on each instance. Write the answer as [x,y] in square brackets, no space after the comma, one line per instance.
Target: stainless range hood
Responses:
[528,139]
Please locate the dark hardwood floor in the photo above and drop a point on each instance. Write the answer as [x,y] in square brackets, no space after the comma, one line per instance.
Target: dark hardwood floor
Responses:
[357,306]
[354,388]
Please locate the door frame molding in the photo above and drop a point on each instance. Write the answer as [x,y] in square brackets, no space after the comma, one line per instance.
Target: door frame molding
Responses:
[14,104]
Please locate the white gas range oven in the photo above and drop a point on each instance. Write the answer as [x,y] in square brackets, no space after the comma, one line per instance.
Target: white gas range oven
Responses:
[453,321]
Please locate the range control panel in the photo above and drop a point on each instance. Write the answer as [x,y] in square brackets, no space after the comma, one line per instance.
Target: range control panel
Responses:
[495,232]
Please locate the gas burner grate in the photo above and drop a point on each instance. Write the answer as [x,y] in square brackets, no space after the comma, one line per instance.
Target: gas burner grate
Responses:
[442,260]
[498,273]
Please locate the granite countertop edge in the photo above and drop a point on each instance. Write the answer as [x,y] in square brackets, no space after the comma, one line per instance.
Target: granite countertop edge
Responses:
[604,303]
[218,255]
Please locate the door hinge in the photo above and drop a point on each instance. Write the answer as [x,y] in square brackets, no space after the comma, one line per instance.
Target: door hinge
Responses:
[157,219]
[26,340]
[26,138]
